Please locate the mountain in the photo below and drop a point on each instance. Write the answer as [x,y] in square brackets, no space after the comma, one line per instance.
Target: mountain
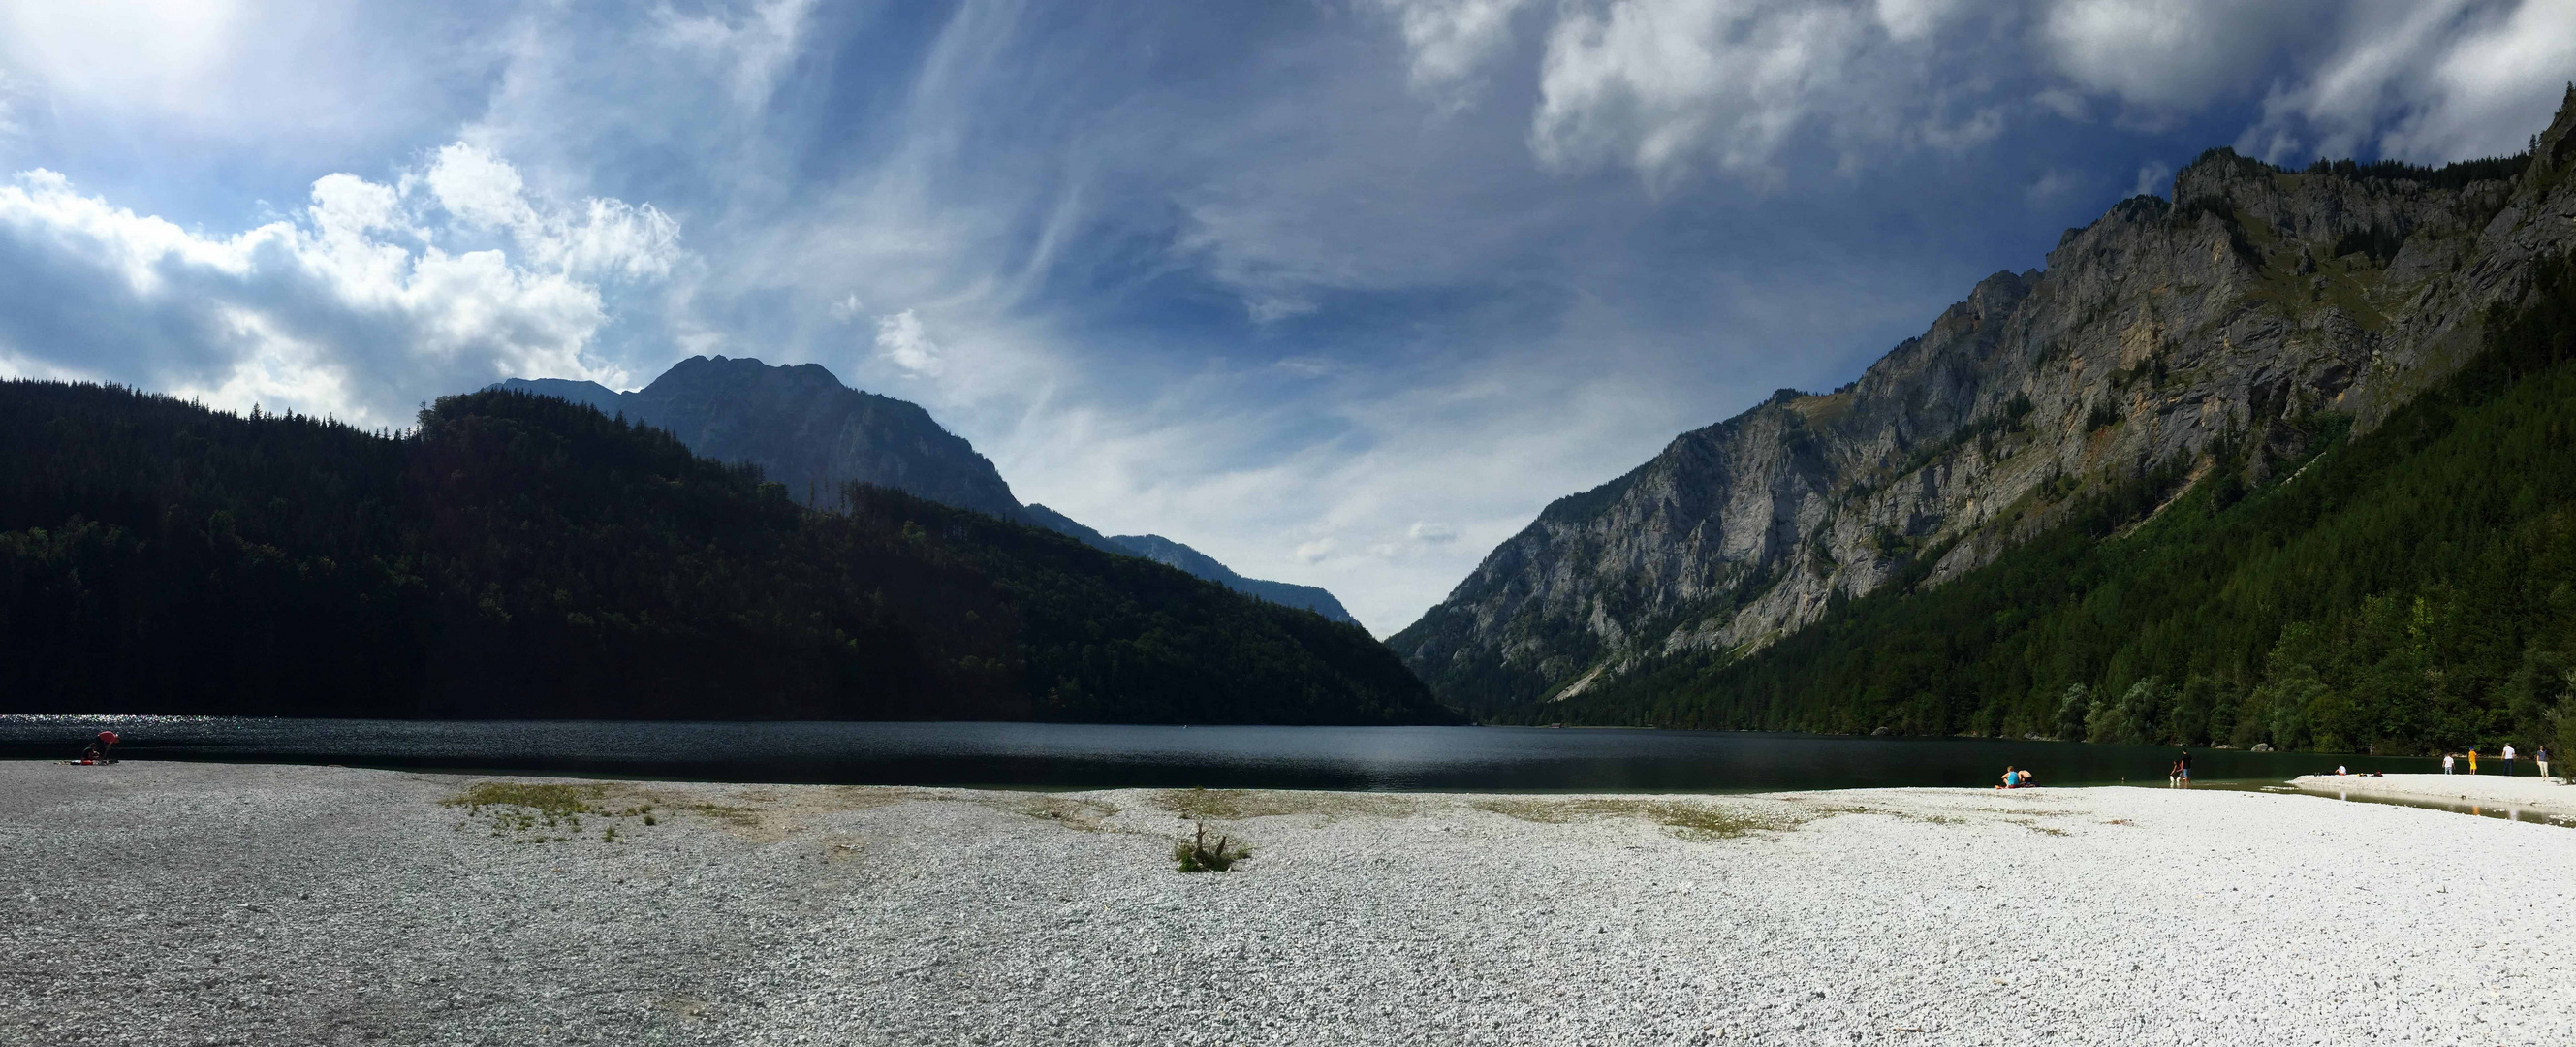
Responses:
[1169,553]
[2409,590]
[2199,345]
[803,428]
[806,430]
[519,556]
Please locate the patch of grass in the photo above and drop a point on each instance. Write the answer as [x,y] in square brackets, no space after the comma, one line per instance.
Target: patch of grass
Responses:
[742,817]
[545,809]
[1693,820]
[1227,805]
[1195,854]
[550,799]
[1083,814]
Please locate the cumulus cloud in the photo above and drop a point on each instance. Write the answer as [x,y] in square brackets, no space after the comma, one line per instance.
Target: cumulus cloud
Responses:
[2167,52]
[341,309]
[1665,86]
[1452,41]
[901,341]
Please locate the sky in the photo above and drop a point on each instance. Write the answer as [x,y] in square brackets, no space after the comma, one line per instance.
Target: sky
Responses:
[1340,292]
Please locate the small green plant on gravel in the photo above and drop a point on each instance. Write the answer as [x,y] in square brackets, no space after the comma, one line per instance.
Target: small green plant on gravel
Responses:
[1689,820]
[1196,856]
[544,812]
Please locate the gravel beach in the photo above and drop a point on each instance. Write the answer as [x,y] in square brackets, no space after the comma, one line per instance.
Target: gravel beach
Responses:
[169,903]
[2527,792]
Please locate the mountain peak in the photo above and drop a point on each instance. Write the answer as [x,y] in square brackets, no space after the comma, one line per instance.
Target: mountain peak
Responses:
[2160,338]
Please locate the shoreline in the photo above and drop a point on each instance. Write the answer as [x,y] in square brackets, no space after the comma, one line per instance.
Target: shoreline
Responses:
[298,903]
[2531,792]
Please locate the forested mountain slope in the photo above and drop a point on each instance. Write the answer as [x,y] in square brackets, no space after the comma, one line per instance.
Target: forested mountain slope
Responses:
[2409,590]
[2211,339]
[814,435]
[522,556]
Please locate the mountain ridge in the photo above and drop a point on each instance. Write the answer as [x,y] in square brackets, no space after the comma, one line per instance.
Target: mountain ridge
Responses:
[812,433]
[2157,332]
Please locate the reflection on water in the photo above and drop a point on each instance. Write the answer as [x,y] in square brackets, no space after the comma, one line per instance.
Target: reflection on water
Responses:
[1094,756]
[2505,811]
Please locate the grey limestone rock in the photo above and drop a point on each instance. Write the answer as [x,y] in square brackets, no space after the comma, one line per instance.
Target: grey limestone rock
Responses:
[2259,298]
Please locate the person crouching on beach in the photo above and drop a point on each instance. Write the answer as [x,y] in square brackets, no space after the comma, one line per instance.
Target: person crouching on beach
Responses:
[2010,779]
[2025,779]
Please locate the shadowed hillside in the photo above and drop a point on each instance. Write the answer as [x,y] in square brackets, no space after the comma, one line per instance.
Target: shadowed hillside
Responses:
[521,556]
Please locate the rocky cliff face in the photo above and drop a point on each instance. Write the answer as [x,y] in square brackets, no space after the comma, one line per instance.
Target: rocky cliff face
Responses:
[2161,332]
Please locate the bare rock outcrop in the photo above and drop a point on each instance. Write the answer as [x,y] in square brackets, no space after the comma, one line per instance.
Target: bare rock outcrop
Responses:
[2258,301]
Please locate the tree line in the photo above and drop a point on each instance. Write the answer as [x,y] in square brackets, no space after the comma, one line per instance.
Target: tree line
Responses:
[519,556]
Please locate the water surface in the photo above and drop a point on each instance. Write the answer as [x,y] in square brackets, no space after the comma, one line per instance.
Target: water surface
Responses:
[1096,756]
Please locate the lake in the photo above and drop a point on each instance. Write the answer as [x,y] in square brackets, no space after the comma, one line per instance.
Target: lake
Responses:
[1097,756]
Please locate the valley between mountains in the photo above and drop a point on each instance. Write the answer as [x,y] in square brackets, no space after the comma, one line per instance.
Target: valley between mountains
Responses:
[2288,460]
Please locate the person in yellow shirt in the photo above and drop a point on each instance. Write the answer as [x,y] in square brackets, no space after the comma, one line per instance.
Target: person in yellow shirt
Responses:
[2473,761]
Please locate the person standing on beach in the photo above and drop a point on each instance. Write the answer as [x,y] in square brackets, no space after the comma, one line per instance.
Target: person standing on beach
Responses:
[2508,759]
[2541,756]
[2473,760]
[2182,769]
[2446,764]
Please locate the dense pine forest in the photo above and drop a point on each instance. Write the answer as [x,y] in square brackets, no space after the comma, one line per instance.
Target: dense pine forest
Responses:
[2410,590]
[519,556]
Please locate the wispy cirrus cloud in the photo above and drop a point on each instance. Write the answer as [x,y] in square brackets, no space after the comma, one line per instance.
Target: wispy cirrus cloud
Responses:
[1339,293]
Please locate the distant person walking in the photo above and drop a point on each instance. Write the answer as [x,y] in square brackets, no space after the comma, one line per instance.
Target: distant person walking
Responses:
[2508,759]
[2446,764]
[2182,769]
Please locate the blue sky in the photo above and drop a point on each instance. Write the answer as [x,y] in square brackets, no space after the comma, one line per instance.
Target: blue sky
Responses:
[1339,291]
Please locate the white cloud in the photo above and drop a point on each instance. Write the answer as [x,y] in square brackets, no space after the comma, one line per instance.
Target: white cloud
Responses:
[2166,52]
[849,308]
[901,340]
[2154,178]
[1317,551]
[754,46]
[1425,531]
[342,309]
[2432,81]
[1452,41]
[1660,85]
[605,238]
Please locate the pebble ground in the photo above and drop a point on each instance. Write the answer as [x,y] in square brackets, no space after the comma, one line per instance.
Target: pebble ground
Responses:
[160,903]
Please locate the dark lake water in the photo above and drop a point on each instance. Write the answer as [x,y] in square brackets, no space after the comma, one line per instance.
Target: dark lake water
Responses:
[1090,756]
